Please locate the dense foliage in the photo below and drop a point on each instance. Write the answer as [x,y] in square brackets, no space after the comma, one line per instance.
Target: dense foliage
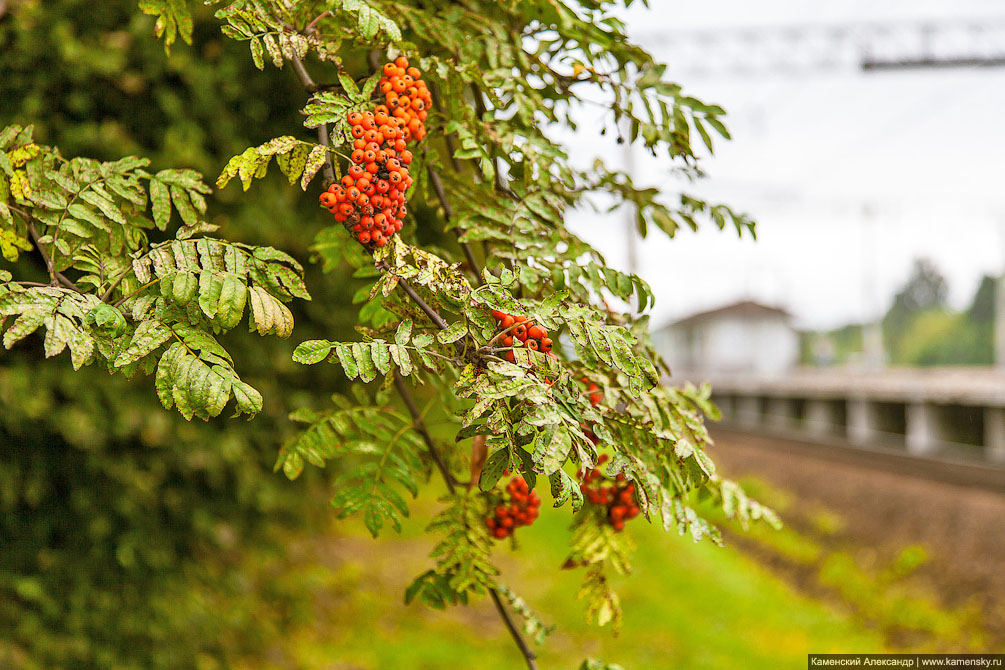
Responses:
[132,275]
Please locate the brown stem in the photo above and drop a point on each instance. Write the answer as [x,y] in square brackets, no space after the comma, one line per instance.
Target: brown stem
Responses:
[303,75]
[137,291]
[328,170]
[452,149]
[479,454]
[108,293]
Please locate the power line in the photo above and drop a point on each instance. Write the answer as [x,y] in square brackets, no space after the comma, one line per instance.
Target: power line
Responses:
[869,47]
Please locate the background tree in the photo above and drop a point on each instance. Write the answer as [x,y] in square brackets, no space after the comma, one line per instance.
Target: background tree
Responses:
[119,520]
[925,289]
[122,263]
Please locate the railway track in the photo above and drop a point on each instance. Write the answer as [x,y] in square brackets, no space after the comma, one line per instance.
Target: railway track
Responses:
[970,474]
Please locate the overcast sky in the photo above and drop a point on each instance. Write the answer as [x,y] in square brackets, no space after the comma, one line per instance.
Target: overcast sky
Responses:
[850,175]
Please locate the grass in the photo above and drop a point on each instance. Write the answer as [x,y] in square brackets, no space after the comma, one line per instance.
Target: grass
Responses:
[687,605]
[884,591]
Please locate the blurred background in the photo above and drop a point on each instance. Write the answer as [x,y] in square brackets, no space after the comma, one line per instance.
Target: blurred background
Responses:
[852,348]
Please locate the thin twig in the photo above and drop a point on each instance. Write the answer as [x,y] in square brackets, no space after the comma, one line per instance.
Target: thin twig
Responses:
[452,149]
[422,304]
[328,169]
[108,293]
[420,427]
[56,277]
[310,26]
[482,110]
[303,75]
[528,654]
[448,213]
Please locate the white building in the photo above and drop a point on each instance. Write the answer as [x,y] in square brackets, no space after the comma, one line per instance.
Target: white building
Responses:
[742,338]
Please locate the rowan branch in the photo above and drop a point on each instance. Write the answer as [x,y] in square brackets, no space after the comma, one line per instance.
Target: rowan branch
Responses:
[420,427]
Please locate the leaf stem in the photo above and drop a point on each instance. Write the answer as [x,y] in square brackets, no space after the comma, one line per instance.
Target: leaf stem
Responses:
[108,293]
[145,286]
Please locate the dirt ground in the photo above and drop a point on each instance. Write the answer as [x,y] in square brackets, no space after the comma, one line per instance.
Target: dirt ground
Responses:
[886,507]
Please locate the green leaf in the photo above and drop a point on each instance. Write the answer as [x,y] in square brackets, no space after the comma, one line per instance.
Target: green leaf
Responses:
[314,162]
[268,314]
[380,356]
[160,197]
[361,354]
[257,53]
[348,85]
[249,401]
[104,204]
[210,287]
[148,336]
[184,206]
[401,358]
[232,299]
[452,333]
[404,333]
[493,469]
[312,351]
[348,361]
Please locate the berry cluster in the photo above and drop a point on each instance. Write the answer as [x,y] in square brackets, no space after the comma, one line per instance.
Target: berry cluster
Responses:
[534,337]
[617,496]
[370,199]
[596,395]
[407,96]
[518,508]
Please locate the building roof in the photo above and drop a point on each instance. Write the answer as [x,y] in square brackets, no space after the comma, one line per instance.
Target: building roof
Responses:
[745,309]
